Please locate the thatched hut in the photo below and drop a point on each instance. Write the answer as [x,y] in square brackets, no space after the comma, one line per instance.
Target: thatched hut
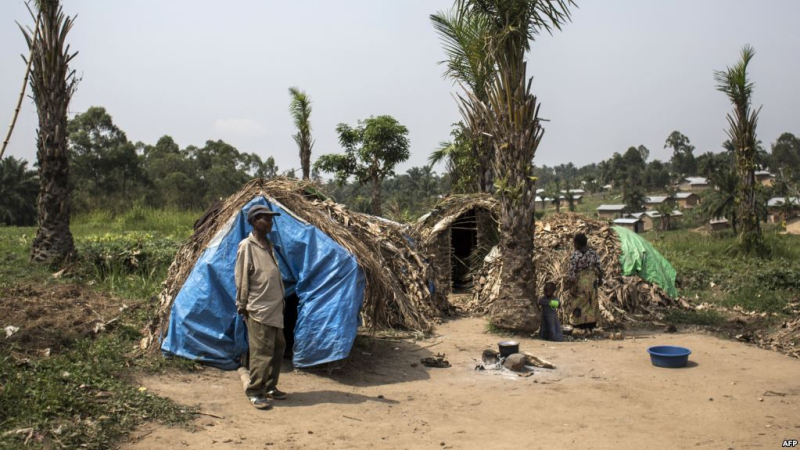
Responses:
[347,267]
[626,295]
[458,229]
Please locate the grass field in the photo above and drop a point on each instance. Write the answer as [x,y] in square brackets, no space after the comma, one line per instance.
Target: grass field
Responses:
[84,393]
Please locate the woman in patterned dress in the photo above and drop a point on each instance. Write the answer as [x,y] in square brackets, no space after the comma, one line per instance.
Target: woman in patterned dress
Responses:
[585,275]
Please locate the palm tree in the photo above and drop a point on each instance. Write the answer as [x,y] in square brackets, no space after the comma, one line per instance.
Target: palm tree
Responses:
[721,200]
[742,134]
[300,108]
[464,36]
[511,114]
[52,85]
[554,192]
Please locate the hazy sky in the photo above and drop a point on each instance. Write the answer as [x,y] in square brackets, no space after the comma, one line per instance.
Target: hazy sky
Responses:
[623,73]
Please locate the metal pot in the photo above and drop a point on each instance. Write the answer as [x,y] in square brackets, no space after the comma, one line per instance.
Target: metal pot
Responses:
[508,348]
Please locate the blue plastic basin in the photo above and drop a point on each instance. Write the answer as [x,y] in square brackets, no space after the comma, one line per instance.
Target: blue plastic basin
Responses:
[669,356]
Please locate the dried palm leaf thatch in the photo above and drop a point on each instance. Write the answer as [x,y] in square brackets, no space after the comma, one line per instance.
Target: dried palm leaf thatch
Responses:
[785,339]
[432,231]
[448,211]
[396,276]
[621,299]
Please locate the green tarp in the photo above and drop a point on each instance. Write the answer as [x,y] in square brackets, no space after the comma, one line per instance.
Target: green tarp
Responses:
[640,258]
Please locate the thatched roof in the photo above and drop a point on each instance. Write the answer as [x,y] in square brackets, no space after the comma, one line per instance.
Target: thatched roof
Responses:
[396,292]
[428,227]
[620,299]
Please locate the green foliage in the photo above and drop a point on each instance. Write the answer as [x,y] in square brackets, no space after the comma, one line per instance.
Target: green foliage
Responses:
[372,150]
[721,200]
[465,37]
[460,161]
[736,85]
[633,196]
[690,317]
[104,165]
[18,190]
[132,264]
[716,269]
[110,172]
[786,156]
[85,396]
[82,399]
[300,109]
[15,247]
[683,161]
[167,221]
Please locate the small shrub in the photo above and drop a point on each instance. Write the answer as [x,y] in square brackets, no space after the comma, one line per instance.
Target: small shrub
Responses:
[706,317]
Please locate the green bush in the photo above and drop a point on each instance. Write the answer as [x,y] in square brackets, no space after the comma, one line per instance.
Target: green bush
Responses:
[81,398]
[690,317]
[131,265]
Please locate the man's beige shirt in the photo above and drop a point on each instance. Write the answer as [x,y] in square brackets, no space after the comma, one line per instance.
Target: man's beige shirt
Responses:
[259,286]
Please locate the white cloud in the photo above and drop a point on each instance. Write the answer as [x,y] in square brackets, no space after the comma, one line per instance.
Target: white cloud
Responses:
[239,127]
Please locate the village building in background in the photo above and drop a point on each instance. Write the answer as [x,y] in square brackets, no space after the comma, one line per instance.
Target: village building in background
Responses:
[718,224]
[782,208]
[693,184]
[632,223]
[653,202]
[611,211]
[765,178]
[652,219]
[686,200]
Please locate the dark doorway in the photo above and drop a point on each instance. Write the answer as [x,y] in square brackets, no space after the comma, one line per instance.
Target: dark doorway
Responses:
[292,303]
[463,239]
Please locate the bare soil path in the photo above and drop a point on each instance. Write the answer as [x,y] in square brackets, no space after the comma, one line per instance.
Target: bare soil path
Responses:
[602,394]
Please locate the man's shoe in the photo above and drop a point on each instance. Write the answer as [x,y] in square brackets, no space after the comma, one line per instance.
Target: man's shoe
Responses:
[260,402]
[276,394]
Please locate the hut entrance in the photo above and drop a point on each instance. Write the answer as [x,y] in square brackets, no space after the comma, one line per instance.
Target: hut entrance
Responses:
[292,303]
[463,240]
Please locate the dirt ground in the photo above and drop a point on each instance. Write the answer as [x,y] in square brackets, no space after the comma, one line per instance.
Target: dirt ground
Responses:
[602,394]
[49,319]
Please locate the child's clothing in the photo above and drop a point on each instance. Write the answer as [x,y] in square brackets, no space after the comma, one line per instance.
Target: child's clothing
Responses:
[550,330]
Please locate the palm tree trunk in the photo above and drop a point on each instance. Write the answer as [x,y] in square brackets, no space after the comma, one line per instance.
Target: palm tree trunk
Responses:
[305,161]
[747,205]
[53,239]
[515,304]
[52,86]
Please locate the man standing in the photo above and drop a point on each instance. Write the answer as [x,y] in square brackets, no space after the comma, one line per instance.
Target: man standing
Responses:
[259,299]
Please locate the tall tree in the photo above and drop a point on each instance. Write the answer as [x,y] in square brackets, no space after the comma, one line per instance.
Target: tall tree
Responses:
[644,152]
[465,36]
[735,84]
[103,163]
[300,108]
[633,196]
[786,155]
[511,114]
[52,85]
[683,162]
[372,150]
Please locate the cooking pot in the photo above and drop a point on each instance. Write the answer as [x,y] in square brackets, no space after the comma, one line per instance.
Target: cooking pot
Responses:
[508,348]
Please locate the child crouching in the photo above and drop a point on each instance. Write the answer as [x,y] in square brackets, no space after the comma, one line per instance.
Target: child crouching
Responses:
[550,330]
